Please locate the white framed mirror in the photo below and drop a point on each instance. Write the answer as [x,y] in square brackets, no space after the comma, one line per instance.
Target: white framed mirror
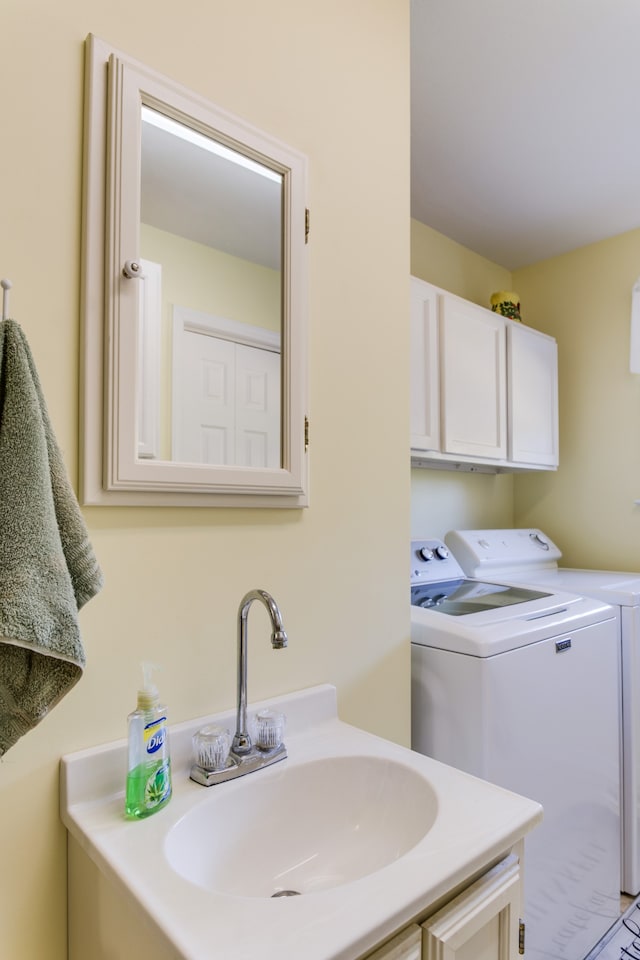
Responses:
[194,299]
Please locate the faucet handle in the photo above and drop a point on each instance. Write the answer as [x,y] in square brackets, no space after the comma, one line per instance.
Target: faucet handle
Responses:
[269,729]
[211,746]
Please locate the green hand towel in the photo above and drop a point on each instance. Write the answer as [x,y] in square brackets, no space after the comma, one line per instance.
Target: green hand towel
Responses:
[47,566]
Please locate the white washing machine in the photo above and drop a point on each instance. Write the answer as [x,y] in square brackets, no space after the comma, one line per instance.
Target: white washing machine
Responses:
[519,685]
[488,552]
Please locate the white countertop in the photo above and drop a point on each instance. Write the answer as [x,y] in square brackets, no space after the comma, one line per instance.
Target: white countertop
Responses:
[476,823]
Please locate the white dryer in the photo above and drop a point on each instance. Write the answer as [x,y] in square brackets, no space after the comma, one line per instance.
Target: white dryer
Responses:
[488,553]
[519,685]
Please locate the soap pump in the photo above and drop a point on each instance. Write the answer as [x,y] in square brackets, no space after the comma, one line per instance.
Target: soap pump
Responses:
[149,767]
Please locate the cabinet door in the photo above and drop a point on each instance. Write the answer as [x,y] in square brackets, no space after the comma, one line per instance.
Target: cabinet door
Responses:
[482,923]
[473,390]
[425,405]
[407,945]
[533,396]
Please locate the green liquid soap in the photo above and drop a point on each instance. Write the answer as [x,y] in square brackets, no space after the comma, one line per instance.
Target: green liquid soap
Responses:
[148,786]
[148,789]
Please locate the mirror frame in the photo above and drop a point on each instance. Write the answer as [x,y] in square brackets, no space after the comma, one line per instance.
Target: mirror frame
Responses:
[110,471]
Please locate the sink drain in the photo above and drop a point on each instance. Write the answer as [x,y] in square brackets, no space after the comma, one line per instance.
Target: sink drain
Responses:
[286,893]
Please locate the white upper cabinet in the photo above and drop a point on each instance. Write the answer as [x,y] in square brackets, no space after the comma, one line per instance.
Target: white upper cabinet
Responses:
[533,396]
[425,400]
[484,389]
[473,383]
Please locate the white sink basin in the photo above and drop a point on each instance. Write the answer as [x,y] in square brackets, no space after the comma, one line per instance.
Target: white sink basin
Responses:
[304,828]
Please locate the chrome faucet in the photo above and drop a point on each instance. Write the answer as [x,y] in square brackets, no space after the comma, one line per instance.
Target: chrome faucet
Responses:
[242,741]
[245,756]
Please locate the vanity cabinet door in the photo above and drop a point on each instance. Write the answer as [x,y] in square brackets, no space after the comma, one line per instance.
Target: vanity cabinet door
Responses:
[482,923]
[407,945]
[473,384]
[425,376]
[533,396]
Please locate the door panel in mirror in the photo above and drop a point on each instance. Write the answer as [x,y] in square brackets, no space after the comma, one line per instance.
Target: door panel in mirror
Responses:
[218,209]
[226,390]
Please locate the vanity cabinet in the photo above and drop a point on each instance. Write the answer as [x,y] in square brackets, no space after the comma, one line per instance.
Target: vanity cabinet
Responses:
[484,391]
[480,923]
[407,945]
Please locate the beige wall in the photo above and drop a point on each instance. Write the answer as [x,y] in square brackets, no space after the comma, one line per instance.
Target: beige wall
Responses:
[210,280]
[584,299]
[442,500]
[448,264]
[310,75]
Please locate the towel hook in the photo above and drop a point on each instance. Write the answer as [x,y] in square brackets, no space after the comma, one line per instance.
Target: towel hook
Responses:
[6,286]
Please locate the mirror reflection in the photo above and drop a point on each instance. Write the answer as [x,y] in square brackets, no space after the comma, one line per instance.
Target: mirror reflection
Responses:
[210,301]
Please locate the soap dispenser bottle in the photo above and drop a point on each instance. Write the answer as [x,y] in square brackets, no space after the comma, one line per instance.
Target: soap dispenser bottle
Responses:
[149,770]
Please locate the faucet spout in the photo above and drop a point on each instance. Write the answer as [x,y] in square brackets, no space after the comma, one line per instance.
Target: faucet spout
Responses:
[242,741]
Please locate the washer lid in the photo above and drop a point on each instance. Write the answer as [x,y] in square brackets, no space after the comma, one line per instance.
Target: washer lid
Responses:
[488,632]
[459,598]
[612,586]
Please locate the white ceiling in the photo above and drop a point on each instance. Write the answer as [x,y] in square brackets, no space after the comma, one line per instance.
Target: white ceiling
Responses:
[193,193]
[525,123]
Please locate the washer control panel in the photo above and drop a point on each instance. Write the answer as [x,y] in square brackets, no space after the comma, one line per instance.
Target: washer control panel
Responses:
[503,553]
[431,560]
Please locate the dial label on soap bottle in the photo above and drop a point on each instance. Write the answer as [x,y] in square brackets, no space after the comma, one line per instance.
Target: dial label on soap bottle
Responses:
[155,734]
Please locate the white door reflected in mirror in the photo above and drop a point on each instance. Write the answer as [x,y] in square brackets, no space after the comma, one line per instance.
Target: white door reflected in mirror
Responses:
[226,407]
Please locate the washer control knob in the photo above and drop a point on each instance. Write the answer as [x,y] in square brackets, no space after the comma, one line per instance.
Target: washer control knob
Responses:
[425,553]
[539,540]
[442,553]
